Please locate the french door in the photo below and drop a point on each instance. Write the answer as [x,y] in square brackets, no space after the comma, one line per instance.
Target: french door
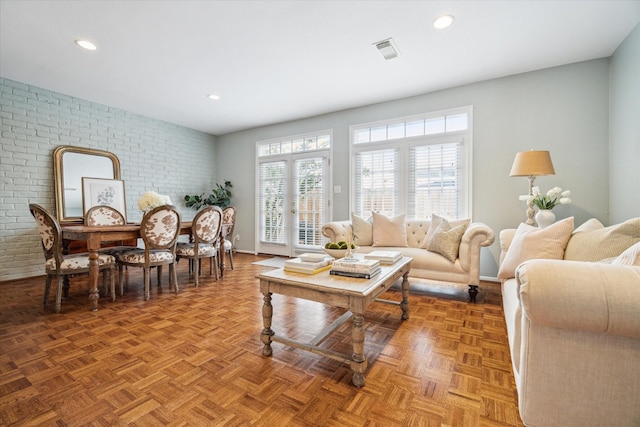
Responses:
[293,200]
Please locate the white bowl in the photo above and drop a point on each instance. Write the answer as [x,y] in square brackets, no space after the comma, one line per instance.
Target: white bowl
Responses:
[339,253]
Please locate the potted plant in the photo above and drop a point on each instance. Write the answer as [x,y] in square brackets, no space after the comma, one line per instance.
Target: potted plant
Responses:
[220,196]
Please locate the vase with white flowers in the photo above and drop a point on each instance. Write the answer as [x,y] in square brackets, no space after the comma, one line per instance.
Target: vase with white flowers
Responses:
[151,199]
[546,202]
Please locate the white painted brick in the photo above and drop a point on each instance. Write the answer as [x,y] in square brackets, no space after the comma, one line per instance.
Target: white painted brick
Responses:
[35,121]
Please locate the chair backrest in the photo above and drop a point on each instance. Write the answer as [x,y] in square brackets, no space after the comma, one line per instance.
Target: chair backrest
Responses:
[206,225]
[228,221]
[50,233]
[160,228]
[103,215]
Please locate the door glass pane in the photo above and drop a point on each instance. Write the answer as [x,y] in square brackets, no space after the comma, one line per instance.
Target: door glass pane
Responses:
[272,197]
[310,201]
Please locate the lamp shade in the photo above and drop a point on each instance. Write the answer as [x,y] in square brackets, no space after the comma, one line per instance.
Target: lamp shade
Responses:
[532,163]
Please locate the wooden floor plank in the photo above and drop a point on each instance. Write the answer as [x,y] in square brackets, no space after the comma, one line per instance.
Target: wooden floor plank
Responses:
[195,358]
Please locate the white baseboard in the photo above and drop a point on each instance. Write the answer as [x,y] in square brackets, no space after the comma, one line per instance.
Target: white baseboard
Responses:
[490,279]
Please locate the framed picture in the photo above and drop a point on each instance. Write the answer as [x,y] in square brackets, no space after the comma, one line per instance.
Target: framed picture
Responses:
[103,192]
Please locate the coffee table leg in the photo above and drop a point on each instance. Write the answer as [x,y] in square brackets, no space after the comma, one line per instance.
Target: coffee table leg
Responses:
[267,333]
[404,305]
[358,361]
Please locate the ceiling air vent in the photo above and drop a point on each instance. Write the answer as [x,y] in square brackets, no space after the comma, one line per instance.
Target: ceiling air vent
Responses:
[387,48]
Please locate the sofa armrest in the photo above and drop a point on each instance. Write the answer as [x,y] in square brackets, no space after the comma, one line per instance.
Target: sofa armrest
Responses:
[475,236]
[336,231]
[587,296]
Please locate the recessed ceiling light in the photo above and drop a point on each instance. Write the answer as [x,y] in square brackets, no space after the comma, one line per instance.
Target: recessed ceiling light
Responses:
[213,97]
[86,44]
[443,22]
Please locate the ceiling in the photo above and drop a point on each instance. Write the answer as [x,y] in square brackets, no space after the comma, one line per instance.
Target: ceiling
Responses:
[275,61]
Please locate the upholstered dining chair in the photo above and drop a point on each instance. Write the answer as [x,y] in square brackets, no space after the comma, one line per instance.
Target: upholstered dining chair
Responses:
[58,265]
[159,231]
[105,216]
[205,234]
[228,224]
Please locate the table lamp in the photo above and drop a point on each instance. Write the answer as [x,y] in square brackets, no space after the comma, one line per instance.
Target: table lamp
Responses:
[532,164]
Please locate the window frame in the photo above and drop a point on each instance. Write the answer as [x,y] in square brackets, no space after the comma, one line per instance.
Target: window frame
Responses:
[403,145]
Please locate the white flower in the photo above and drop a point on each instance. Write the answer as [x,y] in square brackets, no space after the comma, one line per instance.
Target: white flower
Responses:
[550,200]
[151,199]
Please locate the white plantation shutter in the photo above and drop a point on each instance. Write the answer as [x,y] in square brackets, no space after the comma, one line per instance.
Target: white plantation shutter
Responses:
[435,180]
[376,181]
[273,181]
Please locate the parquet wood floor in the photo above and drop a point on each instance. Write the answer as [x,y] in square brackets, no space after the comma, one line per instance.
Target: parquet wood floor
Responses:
[195,359]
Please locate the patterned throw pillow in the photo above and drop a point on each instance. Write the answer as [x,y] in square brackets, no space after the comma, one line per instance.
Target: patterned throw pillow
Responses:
[436,220]
[602,243]
[446,240]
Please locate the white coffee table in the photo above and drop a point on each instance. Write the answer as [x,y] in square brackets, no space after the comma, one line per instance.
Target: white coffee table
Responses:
[353,294]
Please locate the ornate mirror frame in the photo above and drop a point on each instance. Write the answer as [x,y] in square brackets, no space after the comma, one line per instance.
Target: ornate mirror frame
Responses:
[70,164]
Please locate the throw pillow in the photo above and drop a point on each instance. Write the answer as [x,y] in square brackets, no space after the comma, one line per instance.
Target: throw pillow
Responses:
[629,257]
[603,243]
[389,231]
[589,225]
[362,230]
[535,243]
[436,220]
[446,240]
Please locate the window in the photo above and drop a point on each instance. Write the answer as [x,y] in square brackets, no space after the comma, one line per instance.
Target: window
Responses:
[415,165]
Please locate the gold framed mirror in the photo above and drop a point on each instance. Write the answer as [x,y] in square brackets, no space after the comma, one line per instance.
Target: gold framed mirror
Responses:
[70,164]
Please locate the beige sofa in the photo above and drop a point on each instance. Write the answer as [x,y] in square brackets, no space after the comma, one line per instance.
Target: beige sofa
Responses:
[465,270]
[574,333]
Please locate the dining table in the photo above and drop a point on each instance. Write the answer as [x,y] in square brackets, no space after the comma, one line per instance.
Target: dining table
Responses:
[95,236]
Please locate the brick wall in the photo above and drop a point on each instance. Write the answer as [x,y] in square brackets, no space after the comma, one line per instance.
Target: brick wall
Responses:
[154,155]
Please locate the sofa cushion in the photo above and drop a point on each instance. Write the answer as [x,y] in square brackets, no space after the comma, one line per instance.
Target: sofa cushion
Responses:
[532,243]
[389,231]
[436,220]
[604,242]
[631,256]
[446,240]
[362,230]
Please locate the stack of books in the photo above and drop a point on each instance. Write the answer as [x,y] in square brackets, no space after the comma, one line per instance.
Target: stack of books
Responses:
[362,269]
[307,265]
[385,257]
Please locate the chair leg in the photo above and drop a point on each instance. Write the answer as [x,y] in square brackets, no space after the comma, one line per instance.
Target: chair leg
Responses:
[198,269]
[47,288]
[231,258]
[112,277]
[213,265]
[105,285]
[147,279]
[59,294]
[174,276]
[159,275]
[121,278]
[66,287]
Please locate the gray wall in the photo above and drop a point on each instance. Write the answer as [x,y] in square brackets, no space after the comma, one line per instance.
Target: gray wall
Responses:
[624,130]
[153,155]
[562,109]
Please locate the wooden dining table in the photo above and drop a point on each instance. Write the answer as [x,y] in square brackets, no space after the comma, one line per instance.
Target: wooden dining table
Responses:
[95,236]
